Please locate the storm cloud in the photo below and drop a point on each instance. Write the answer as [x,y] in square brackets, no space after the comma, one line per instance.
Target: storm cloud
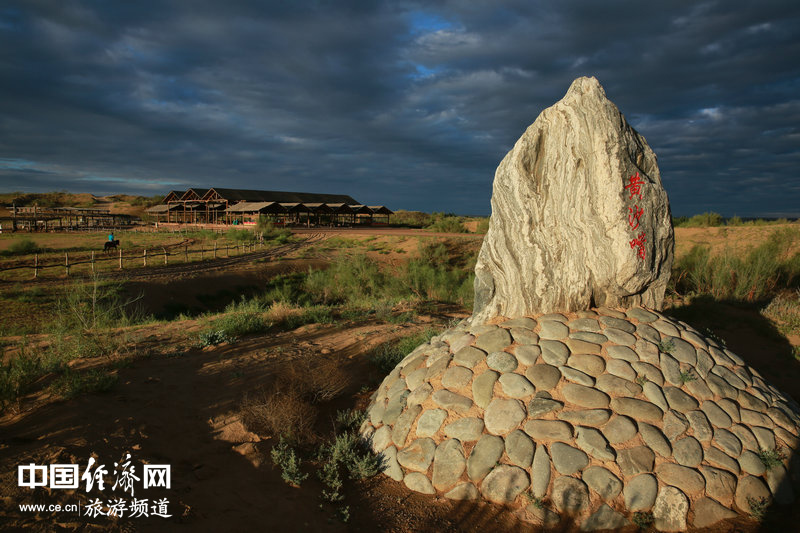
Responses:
[406,104]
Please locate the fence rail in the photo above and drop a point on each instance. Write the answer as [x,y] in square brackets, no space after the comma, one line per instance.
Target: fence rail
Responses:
[137,254]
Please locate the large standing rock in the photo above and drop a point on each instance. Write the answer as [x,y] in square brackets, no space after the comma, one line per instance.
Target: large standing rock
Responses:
[560,216]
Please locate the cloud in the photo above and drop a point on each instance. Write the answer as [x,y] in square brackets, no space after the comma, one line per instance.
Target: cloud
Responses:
[407,104]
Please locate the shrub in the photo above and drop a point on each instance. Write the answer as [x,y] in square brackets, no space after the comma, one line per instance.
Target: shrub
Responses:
[18,373]
[24,246]
[758,507]
[758,274]
[353,454]
[240,235]
[703,220]
[349,419]
[483,225]
[447,224]
[280,411]
[213,338]
[285,458]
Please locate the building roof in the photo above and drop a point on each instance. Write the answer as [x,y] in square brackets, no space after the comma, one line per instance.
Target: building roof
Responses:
[254,207]
[247,195]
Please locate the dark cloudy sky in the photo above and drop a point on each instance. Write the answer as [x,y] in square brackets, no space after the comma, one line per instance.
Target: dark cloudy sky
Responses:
[408,104]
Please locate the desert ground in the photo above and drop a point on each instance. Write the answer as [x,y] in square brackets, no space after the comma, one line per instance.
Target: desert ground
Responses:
[162,389]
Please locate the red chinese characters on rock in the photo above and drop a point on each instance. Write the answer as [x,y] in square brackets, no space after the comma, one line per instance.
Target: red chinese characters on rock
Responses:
[638,243]
[634,187]
[634,214]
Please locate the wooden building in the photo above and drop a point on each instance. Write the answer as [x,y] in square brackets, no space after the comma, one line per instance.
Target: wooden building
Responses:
[244,206]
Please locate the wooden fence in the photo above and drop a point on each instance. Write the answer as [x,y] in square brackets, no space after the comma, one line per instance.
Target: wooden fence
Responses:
[142,257]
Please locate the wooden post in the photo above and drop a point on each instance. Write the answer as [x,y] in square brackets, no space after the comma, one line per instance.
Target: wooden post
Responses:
[120,258]
[92,261]
[186,253]
[144,256]
[215,249]
[36,266]
[66,261]
[165,255]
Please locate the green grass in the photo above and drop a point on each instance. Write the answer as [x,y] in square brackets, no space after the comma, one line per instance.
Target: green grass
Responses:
[447,224]
[24,246]
[784,310]
[756,275]
[387,355]
[71,384]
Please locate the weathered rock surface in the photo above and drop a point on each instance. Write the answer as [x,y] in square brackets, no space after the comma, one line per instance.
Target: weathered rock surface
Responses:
[560,215]
[600,412]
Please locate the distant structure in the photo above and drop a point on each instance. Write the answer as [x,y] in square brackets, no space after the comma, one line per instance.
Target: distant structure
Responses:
[244,206]
[37,218]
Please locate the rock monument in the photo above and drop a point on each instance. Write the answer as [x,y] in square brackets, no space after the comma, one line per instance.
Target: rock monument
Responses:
[579,216]
[565,397]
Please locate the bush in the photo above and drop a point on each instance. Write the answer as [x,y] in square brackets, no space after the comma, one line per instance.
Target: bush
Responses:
[213,338]
[269,232]
[240,319]
[447,224]
[280,411]
[24,246]
[240,235]
[18,373]
[703,220]
[753,276]
[284,457]
[483,225]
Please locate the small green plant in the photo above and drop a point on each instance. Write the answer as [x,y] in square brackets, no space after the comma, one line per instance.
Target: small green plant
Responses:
[72,384]
[329,475]
[665,346]
[344,513]
[213,338]
[758,507]
[350,419]
[386,356]
[643,519]
[771,458]
[687,376]
[535,501]
[285,458]
[641,380]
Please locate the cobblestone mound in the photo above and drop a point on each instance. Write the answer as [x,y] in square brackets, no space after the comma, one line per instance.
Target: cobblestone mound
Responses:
[594,415]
